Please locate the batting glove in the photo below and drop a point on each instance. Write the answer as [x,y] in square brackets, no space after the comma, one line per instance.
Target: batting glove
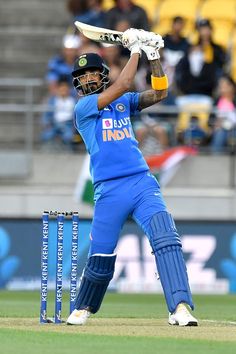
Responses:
[151,39]
[130,40]
[151,52]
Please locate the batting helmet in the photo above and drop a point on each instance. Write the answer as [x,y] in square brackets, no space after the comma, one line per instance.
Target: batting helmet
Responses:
[89,61]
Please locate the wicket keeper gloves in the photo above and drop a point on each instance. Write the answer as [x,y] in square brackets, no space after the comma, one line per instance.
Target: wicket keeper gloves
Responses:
[130,40]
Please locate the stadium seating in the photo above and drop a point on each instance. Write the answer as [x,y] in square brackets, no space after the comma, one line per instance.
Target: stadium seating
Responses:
[107,4]
[193,106]
[222,32]
[150,6]
[184,118]
[219,10]
[223,18]
[233,56]
[171,8]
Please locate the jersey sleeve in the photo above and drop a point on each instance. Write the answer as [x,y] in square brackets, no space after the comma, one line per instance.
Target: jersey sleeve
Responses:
[85,110]
[133,98]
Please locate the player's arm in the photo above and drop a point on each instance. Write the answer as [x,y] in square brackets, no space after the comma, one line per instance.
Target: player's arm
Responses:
[130,40]
[159,89]
[151,43]
[122,84]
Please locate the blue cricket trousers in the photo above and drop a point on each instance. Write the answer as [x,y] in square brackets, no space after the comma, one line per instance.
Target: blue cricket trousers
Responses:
[138,196]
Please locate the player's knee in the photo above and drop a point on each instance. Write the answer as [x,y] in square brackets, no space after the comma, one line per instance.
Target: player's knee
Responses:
[163,232]
[100,268]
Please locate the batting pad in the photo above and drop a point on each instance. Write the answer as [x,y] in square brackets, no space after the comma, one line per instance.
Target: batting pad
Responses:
[97,274]
[171,267]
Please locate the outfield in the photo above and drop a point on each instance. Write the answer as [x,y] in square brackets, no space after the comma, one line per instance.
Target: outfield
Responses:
[134,324]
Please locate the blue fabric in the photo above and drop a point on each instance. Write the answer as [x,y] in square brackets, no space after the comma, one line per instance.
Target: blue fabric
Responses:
[138,196]
[96,277]
[109,137]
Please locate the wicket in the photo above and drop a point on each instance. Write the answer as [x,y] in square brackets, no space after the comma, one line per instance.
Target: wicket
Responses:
[60,217]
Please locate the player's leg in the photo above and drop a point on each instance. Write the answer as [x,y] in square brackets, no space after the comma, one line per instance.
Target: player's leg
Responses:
[94,282]
[151,214]
[109,217]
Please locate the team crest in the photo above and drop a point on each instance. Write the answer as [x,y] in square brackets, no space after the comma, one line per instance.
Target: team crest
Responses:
[82,62]
[120,107]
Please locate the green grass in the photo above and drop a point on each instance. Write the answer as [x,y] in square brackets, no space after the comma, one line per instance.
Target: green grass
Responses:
[131,323]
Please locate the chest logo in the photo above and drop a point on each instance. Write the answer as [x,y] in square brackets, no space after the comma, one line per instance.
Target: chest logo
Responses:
[107,123]
[120,107]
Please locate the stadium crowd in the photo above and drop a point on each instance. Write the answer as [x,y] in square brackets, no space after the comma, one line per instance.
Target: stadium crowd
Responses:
[200,109]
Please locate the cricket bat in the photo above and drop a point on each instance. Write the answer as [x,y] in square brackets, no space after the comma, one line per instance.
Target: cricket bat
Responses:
[100,34]
[105,35]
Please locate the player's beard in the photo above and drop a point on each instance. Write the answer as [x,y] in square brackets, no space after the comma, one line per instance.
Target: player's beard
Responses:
[91,87]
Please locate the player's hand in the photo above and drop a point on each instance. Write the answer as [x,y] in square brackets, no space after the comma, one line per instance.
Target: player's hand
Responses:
[151,39]
[130,40]
[151,52]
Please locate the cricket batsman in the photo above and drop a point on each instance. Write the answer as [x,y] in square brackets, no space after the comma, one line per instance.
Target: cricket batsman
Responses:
[123,184]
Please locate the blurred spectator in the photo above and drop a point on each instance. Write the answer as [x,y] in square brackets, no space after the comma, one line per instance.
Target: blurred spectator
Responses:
[151,133]
[111,55]
[198,71]
[212,51]
[87,11]
[62,65]
[122,25]
[195,74]
[176,46]
[127,10]
[194,135]
[224,124]
[57,121]
[88,46]
[193,116]
[124,54]
[77,7]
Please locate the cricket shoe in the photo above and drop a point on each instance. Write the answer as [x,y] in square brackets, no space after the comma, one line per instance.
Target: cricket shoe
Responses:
[78,317]
[182,317]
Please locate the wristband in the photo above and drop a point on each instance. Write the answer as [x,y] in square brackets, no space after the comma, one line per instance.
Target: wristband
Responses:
[159,83]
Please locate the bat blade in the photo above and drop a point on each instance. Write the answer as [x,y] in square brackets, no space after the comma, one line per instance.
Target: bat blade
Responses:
[99,34]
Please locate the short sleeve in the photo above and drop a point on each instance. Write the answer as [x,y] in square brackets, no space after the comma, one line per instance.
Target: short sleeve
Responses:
[85,110]
[133,98]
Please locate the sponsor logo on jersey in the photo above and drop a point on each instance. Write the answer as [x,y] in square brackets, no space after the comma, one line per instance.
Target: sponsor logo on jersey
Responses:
[116,129]
[107,123]
[116,134]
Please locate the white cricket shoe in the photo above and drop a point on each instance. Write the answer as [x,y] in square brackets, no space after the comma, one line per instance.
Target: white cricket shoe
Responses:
[78,317]
[182,317]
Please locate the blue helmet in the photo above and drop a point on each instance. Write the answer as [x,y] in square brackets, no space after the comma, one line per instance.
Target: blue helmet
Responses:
[85,62]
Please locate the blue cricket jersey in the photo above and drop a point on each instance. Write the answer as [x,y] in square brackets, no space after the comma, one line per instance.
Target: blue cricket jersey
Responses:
[109,137]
